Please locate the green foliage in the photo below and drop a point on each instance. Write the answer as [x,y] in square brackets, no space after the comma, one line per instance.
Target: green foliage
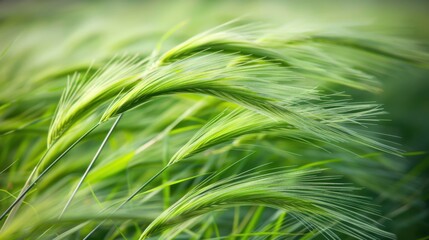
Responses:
[242,131]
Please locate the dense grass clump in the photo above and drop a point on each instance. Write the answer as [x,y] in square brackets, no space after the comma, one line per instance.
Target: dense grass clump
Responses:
[226,130]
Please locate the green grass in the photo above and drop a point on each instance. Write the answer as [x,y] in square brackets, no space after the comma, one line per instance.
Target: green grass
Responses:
[146,126]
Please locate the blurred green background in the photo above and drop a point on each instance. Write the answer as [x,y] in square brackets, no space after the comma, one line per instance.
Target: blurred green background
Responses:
[70,23]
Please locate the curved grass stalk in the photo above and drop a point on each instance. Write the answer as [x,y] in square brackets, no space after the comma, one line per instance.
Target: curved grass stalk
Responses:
[85,93]
[238,123]
[221,62]
[301,193]
[413,56]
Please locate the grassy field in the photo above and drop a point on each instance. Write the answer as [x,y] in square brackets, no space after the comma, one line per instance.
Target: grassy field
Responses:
[214,120]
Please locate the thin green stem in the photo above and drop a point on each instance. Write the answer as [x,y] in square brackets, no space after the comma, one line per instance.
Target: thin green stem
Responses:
[253,223]
[278,224]
[17,203]
[88,169]
[31,185]
[166,175]
[129,198]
